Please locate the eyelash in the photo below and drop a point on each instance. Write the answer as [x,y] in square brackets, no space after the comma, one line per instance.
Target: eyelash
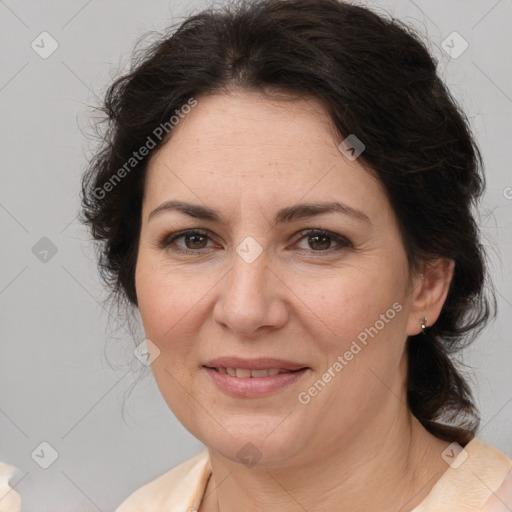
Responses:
[168,240]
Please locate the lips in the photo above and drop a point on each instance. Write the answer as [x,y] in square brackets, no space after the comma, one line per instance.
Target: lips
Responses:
[253,365]
[253,377]
[245,373]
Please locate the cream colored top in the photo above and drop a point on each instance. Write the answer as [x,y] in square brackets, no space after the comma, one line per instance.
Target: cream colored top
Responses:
[481,483]
[10,500]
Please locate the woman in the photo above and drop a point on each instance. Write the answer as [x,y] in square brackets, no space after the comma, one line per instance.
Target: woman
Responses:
[286,194]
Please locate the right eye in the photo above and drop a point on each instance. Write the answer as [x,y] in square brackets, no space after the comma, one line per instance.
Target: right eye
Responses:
[194,241]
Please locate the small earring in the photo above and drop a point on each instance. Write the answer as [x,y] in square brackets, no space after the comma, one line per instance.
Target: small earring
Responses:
[424,325]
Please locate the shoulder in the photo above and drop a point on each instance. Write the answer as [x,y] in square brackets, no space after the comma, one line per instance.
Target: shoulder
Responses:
[501,499]
[473,476]
[10,500]
[173,491]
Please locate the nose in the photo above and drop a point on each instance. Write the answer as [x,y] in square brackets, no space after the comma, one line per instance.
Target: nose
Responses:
[252,299]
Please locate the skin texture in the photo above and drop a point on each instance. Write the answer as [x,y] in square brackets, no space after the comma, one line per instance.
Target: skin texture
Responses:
[304,300]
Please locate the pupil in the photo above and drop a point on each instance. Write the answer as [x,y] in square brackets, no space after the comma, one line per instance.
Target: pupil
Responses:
[194,239]
[326,243]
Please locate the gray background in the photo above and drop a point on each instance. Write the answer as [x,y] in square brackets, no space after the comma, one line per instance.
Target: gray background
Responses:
[66,364]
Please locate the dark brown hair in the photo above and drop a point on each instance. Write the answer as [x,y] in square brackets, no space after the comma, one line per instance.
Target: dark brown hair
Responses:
[378,81]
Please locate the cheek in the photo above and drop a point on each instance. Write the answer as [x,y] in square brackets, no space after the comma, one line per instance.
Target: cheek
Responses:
[362,349]
[172,305]
[166,308]
[166,298]
[364,320]
[346,306]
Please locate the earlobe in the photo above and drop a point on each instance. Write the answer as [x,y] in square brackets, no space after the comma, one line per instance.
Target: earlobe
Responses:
[429,295]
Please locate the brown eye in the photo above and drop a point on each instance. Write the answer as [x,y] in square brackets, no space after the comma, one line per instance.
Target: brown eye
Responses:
[322,241]
[193,241]
[196,241]
[319,242]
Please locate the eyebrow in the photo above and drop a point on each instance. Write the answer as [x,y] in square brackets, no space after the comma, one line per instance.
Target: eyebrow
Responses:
[285,215]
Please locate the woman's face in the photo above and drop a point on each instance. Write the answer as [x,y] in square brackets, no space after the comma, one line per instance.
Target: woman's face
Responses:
[312,323]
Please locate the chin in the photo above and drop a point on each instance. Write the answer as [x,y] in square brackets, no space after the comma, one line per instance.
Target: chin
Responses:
[256,443]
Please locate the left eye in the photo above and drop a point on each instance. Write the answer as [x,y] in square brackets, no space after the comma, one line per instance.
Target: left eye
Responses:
[323,239]
[194,240]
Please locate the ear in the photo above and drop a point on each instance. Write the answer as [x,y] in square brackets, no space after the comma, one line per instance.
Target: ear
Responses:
[429,293]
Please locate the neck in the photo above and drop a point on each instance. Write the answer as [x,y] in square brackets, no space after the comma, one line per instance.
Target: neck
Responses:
[392,468]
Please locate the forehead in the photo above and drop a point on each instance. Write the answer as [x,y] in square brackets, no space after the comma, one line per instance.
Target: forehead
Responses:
[248,123]
[246,144]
